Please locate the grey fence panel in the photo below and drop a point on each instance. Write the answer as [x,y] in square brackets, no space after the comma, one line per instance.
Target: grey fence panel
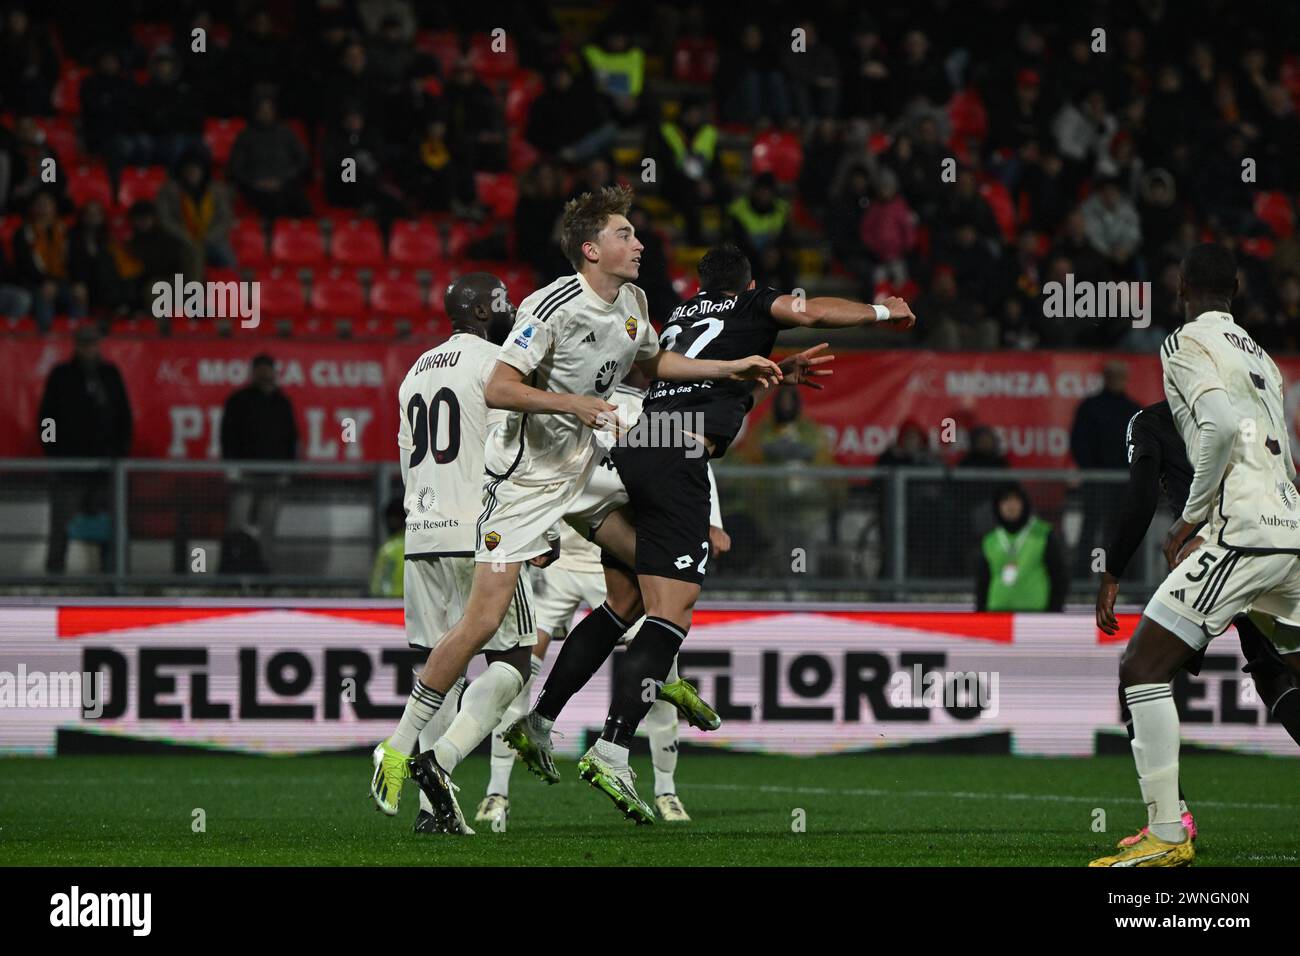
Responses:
[798,533]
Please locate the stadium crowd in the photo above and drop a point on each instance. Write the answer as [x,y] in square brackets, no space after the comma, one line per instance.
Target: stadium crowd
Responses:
[818,141]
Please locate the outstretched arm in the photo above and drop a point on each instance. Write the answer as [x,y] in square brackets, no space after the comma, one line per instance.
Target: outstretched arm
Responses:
[829,312]
[672,367]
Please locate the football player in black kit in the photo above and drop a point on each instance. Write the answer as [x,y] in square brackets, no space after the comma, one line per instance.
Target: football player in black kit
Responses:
[1158,460]
[668,491]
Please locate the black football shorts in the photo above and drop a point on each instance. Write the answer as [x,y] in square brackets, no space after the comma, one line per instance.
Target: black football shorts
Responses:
[669,495]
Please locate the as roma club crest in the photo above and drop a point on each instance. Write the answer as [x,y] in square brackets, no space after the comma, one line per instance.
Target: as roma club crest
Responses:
[630,325]
[491,539]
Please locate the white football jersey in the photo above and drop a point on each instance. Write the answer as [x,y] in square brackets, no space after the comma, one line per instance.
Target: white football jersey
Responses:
[566,339]
[1256,508]
[444,425]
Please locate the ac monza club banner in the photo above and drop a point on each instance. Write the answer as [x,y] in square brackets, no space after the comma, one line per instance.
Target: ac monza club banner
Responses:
[1028,398]
[302,678]
[178,389]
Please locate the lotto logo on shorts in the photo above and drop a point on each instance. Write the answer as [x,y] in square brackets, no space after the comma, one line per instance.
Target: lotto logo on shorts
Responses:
[630,325]
[491,539]
[684,562]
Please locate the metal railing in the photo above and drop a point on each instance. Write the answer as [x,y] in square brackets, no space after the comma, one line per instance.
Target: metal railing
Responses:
[147,526]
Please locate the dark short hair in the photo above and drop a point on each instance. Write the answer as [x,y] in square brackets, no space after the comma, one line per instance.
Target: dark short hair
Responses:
[263,359]
[724,268]
[1210,268]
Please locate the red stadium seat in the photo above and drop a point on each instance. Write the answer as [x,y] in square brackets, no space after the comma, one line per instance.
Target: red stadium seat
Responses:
[139,182]
[499,192]
[781,154]
[61,135]
[357,242]
[414,244]
[444,45]
[492,64]
[10,326]
[90,182]
[431,330]
[148,36]
[995,193]
[8,226]
[297,242]
[969,118]
[438,295]
[521,154]
[67,90]
[310,327]
[695,60]
[522,89]
[1260,247]
[1274,209]
[217,274]
[338,294]
[397,296]
[249,242]
[219,136]
[281,294]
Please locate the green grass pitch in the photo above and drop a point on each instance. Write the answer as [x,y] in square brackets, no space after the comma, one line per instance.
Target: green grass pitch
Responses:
[883,810]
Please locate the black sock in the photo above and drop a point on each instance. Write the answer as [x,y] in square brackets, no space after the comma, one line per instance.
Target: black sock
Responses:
[1287,710]
[581,655]
[650,657]
[1127,716]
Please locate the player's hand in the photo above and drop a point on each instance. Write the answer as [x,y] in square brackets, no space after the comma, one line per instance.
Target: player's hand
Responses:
[900,314]
[755,368]
[1191,545]
[1175,547]
[593,412]
[1107,591]
[801,369]
[719,540]
[549,557]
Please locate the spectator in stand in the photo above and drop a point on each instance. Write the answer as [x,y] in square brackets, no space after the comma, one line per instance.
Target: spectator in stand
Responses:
[569,120]
[653,276]
[985,450]
[372,193]
[1024,119]
[1075,245]
[752,89]
[84,413]
[1083,129]
[541,202]
[192,205]
[439,178]
[911,449]
[824,152]
[28,65]
[1112,226]
[1097,442]
[618,69]
[41,250]
[759,222]
[916,153]
[868,84]
[691,176]
[109,111]
[352,85]
[268,164]
[919,73]
[258,422]
[93,257]
[394,61]
[963,205]
[208,70]
[28,158]
[151,254]
[1020,567]
[954,321]
[813,73]
[171,113]
[850,196]
[974,265]
[476,125]
[889,230]
[258,61]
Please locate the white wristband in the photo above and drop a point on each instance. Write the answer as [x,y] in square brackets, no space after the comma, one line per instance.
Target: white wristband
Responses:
[882,313]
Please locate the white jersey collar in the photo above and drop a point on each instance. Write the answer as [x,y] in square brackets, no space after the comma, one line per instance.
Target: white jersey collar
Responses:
[596,301]
[1214,315]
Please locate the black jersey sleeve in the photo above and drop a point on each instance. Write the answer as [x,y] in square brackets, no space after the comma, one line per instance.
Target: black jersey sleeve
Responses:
[1141,496]
[1143,440]
[764,299]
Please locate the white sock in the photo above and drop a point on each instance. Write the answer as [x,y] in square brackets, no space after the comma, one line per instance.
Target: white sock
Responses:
[438,726]
[423,703]
[481,707]
[612,753]
[1155,751]
[544,724]
[661,725]
[503,758]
